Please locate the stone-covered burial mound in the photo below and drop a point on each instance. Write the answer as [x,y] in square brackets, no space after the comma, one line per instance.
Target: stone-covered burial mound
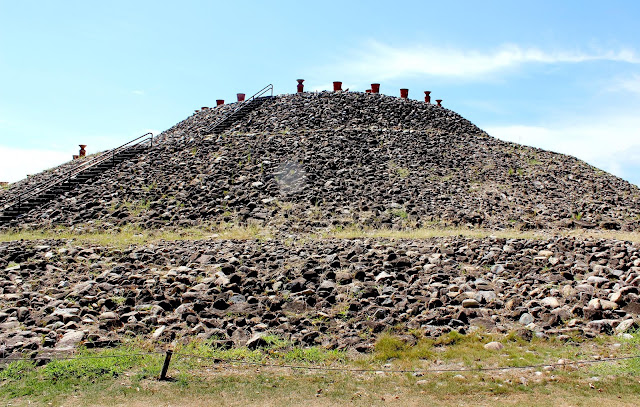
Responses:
[303,164]
[316,160]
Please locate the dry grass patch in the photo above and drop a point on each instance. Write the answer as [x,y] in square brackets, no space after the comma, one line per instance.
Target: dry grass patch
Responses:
[359,232]
[605,234]
[131,235]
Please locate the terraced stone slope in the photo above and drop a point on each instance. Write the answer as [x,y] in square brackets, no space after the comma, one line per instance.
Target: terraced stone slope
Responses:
[316,160]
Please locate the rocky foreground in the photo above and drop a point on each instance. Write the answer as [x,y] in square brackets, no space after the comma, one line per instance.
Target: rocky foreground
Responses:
[334,293]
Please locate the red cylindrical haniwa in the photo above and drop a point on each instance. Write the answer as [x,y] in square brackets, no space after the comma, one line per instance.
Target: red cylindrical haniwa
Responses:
[439,101]
[300,85]
[404,93]
[427,96]
[75,157]
[219,102]
[375,88]
[82,152]
[337,86]
[241,97]
[368,91]
[204,108]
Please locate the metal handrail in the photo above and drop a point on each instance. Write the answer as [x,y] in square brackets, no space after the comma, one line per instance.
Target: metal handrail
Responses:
[44,186]
[241,105]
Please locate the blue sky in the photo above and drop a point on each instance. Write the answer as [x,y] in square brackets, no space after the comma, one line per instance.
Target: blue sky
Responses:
[564,76]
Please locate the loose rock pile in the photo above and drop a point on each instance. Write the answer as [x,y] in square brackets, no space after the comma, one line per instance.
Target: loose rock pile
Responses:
[312,161]
[334,293]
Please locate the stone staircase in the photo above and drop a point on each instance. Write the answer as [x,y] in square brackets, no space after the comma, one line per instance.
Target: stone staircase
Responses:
[237,115]
[50,189]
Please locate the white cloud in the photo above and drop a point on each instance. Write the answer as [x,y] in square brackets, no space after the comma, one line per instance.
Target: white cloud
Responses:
[609,143]
[385,62]
[624,163]
[16,163]
[591,138]
[630,84]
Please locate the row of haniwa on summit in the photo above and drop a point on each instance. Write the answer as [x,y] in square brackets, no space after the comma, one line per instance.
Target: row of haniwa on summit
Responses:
[337,87]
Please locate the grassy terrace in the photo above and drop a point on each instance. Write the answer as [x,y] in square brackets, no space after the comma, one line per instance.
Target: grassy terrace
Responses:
[204,375]
[129,234]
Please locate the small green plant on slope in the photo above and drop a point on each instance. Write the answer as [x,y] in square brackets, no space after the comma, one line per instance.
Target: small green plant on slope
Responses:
[150,187]
[400,213]
[395,169]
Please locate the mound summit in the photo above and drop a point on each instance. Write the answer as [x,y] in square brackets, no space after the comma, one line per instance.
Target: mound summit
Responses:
[306,163]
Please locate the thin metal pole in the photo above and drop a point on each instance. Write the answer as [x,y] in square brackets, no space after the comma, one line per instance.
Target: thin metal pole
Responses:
[165,366]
